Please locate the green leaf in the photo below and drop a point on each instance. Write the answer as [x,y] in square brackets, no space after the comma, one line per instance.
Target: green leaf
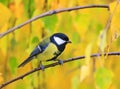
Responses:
[13,64]
[75,82]
[75,38]
[13,43]
[103,78]
[118,41]
[5,2]
[50,22]
[29,6]
[35,39]
[95,26]
[99,28]
[21,86]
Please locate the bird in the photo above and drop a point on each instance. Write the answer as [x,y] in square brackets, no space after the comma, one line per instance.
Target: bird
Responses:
[48,49]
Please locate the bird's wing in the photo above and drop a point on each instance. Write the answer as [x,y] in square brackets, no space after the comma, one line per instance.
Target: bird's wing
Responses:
[39,49]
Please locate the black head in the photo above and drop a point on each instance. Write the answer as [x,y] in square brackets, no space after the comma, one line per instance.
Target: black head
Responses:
[60,40]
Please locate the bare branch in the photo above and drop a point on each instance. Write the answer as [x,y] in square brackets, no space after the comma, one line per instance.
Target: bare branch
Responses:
[51,12]
[53,65]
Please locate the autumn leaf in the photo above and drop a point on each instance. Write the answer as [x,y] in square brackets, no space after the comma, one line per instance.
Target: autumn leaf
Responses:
[103,78]
[5,15]
[85,69]
[1,78]
[115,10]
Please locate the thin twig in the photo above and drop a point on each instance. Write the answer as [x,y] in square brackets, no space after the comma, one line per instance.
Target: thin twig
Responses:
[111,15]
[51,12]
[53,65]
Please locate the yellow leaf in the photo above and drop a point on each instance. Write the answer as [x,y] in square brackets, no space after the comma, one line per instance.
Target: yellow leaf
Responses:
[37,26]
[19,8]
[88,53]
[4,14]
[102,40]
[4,41]
[103,78]
[115,26]
[1,78]
[85,70]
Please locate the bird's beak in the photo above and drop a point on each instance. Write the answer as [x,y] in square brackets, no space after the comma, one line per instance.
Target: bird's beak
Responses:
[69,42]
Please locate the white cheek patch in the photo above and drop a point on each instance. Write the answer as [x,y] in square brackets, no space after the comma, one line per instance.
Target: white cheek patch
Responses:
[59,41]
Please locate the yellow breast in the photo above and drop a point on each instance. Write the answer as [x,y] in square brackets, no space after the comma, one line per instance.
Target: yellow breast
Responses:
[48,52]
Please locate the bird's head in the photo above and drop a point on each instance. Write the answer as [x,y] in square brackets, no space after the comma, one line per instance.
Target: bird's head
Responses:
[60,40]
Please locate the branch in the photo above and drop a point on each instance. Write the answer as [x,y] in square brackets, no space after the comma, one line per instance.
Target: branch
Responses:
[51,12]
[111,16]
[55,64]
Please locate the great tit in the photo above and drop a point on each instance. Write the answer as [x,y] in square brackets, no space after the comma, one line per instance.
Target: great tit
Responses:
[48,49]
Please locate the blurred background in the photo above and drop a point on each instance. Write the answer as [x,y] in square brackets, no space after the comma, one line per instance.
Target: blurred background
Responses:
[85,28]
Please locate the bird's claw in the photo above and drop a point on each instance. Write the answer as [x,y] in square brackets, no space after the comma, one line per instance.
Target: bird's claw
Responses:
[42,67]
[60,62]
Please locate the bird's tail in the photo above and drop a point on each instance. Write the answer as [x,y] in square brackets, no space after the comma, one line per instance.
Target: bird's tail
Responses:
[25,62]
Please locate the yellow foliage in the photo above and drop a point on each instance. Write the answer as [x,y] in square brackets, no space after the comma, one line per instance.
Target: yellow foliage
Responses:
[18,8]
[85,69]
[85,30]
[115,27]
[102,40]
[5,15]
[4,41]
[1,78]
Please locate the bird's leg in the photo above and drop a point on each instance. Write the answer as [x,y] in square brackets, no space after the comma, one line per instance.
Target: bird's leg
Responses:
[41,66]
